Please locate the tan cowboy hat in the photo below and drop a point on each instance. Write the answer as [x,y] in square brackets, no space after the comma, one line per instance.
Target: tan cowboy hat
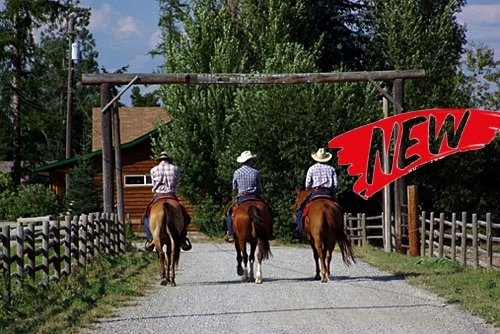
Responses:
[321,155]
[164,156]
[245,156]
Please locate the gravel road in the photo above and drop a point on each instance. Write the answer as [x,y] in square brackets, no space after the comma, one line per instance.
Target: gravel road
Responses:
[211,298]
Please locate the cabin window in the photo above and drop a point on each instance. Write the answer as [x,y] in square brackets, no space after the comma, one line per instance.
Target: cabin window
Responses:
[138,180]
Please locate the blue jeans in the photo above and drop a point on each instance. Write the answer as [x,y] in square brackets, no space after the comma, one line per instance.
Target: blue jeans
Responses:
[300,228]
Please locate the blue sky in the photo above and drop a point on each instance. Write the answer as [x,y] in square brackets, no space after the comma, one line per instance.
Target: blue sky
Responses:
[126,30]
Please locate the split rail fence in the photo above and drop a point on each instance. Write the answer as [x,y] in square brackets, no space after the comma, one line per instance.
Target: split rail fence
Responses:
[466,238]
[43,249]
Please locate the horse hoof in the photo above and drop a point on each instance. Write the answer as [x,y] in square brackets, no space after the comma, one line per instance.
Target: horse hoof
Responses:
[173,284]
[239,270]
[163,282]
[317,277]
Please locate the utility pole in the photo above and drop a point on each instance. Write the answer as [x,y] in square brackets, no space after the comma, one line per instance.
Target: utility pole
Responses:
[73,54]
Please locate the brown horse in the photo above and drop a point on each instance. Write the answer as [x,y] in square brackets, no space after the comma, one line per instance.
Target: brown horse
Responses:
[166,222]
[323,228]
[251,224]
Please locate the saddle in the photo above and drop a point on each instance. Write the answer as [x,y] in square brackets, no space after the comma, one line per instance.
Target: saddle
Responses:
[162,199]
[315,198]
[234,203]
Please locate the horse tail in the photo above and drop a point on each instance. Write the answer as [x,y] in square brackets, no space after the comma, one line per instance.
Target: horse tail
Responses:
[168,211]
[260,231]
[344,242]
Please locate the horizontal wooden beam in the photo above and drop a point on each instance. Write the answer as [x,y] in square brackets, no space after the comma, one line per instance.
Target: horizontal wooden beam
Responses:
[247,79]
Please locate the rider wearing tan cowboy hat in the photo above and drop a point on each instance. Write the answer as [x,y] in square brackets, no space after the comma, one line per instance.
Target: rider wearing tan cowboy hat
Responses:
[165,177]
[321,179]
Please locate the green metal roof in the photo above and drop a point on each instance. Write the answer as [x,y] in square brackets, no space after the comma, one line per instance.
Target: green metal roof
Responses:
[71,161]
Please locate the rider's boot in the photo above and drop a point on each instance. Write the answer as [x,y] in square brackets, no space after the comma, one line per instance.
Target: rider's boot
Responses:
[185,243]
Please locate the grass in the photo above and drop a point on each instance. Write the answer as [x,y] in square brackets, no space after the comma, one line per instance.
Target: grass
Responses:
[474,290]
[80,299]
[110,282]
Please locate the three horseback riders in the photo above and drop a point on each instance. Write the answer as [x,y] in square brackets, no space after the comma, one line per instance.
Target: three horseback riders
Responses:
[321,179]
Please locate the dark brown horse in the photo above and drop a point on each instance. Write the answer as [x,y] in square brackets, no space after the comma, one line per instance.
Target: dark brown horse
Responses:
[251,224]
[323,228]
[166,222]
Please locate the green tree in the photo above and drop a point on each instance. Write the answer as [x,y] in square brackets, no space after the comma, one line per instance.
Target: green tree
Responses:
[479,78]
[84,196]
[282,124]
[421,35]
[147,100]
[33,81]
[18,20]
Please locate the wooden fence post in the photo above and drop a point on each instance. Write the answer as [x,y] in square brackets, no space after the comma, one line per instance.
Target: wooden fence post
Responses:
[6,260]
[91,235]
[463,241]
[45,251]
[453,237]
[474,242]
[20,253]
[29,236]
[57,249]
[431,235]
[413,239]
[489,247]
[364,237]
[423,233]
[441,235]
[67,245]
[83,240]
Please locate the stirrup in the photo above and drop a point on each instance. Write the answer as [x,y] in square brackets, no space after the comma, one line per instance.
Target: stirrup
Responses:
[229,238]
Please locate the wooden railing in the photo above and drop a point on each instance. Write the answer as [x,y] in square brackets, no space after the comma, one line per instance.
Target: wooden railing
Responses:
[462,238]
[43,249]
[360,229]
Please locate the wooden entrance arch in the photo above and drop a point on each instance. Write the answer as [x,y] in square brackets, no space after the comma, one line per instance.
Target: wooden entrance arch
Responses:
[129,79]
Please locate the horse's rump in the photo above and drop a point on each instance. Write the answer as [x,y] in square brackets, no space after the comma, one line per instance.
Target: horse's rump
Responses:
[324,221]
[166,222]
[252,222]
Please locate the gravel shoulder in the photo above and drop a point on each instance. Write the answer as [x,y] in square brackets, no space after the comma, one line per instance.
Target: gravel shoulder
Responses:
[211,298]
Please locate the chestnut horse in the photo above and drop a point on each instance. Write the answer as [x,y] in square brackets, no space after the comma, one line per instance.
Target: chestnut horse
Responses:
[323,228]
[166,222]
[251,224]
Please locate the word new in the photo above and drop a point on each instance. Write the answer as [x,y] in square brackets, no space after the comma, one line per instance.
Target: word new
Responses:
[471,129]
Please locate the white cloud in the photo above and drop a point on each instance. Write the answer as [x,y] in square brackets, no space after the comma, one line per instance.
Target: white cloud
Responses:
[108,21]
[483,25]
[155,39]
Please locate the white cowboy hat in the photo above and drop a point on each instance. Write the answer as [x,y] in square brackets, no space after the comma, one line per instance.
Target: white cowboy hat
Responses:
[321,155]
[245,156]
[164,156]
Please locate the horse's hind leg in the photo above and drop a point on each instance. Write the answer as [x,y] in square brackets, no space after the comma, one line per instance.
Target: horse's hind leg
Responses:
[316,261]
[258,278]
[328,259]
[323,258]
[171,265]
[161,266]
[239,259]
[253,247]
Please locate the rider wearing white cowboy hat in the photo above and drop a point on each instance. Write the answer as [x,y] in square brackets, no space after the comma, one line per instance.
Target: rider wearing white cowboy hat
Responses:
[247,184]
[321,179]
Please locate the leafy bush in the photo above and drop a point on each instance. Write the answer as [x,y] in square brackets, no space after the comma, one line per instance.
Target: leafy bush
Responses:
[32,201]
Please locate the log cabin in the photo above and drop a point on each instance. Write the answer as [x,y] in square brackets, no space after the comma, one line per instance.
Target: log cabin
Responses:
[137,128]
